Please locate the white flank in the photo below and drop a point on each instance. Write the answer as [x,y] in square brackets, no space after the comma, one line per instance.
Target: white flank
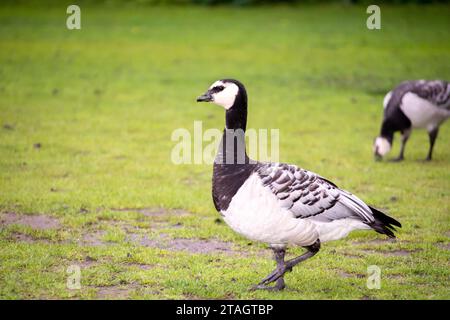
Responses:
[421,112]
[255,213]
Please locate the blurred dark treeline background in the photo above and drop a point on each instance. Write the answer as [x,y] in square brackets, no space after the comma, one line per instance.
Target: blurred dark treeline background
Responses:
[221,2]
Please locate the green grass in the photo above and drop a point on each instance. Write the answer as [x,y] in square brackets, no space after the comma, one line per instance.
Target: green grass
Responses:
[103,102]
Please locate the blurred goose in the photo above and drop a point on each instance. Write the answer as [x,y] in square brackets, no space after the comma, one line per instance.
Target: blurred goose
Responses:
[413,104]
[276,203]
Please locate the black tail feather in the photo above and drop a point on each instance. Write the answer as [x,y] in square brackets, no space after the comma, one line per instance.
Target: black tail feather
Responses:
[383,223]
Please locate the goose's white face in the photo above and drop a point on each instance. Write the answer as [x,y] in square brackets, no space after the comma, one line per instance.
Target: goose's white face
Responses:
[221,93]
[381,147]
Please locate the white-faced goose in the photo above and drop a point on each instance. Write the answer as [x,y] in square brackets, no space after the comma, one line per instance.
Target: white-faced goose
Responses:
[413,104]
[275,203]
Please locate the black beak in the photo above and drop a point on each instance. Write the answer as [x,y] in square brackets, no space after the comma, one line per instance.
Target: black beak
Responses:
[206,97]
[377,156]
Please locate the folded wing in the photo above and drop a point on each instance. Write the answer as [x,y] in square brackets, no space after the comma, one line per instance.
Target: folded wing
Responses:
[309,196]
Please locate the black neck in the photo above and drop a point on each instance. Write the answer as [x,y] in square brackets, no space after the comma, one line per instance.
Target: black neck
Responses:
[387,131]
[394,120]
[232,148]
[236,116]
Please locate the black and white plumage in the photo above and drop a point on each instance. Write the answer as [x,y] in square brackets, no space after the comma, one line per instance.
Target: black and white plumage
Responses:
[276,203]
[413,104]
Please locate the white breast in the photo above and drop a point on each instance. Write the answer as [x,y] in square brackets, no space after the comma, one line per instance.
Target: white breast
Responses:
[255,213]
[421,112]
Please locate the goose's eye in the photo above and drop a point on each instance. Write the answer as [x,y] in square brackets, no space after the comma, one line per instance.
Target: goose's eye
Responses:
[217,89]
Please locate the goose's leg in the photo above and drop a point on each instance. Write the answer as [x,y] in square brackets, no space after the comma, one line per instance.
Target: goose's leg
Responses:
[312,250]
[288,265]
[279,254]
[405,136]
[433,135]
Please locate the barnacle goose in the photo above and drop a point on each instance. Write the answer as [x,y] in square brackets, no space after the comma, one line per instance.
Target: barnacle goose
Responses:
[413,104]
[277,203]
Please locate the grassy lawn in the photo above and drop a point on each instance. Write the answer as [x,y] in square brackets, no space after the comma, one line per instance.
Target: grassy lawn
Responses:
[86,120]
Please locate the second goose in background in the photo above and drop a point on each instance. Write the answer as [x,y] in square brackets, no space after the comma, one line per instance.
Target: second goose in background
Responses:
[413,104]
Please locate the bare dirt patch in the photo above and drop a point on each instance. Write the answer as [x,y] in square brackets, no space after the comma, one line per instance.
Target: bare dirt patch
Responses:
[144,240]
[445,246]
[22,237]
[190,245]
[395,253]
[152,238]
[39,222]
[114,292]
[93,239]
[88,262]
[125,291]
[399,252]
[200,246]
[376,241]
[352,255]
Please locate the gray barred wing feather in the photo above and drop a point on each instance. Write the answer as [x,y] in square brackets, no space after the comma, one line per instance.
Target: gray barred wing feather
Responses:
[436,91]
[308,195]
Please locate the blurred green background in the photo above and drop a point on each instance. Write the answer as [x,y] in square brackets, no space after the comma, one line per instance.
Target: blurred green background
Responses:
[220,2]
[87,116]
